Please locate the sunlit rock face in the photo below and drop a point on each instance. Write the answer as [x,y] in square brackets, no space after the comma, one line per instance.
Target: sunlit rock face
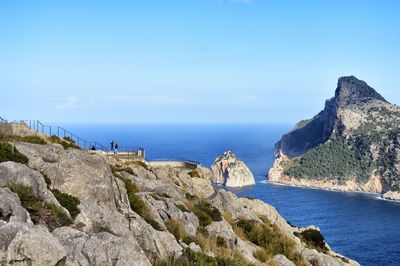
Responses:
[230,171]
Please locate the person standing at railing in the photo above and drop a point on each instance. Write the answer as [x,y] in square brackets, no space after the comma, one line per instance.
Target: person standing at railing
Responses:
[116,148]
[112,146]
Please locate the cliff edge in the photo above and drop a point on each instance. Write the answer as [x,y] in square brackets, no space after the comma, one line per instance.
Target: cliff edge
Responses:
[65,206]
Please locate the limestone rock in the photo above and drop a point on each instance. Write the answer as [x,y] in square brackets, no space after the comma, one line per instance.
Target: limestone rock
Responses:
[22,245]
[11,209]
[159,186]
[281,260]
[107,231]
[196,248]
[230,171]
[223,229]
[104,203]
[202,187]
[166,209]
[392,195]
[263,209]
[228,203]
[99,249]
[11,172]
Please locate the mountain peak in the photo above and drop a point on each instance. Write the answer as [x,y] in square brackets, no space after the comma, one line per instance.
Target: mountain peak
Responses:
[351,90]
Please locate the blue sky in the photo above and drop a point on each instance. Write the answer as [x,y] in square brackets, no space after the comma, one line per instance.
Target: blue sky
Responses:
[198,61]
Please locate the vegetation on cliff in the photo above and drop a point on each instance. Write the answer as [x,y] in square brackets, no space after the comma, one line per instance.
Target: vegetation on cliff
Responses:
[333,159]
[41,213]
[10,153]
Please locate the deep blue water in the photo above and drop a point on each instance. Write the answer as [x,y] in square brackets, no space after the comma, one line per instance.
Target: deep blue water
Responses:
[357,225]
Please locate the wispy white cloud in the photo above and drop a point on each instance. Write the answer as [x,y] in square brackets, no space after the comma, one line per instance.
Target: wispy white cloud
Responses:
[72,103]
[89,103]
[69,103]
[247,98]
[151,100]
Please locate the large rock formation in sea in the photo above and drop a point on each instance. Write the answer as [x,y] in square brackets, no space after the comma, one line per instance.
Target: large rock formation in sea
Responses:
[66,206]
[351,145]
[230,171]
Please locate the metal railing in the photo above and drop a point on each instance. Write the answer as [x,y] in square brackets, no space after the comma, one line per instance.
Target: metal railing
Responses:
[62,133]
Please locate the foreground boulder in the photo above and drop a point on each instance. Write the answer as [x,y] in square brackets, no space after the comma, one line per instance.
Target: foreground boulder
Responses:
[21,244]
[230,171]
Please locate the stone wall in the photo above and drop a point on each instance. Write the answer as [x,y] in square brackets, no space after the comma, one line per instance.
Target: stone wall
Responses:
[16,129]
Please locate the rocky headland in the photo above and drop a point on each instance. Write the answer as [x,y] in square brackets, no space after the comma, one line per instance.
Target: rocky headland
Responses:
[351,145]
[230,171]
[60,205]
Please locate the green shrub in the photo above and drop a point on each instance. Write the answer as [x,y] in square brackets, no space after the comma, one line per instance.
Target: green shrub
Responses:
[68,201]
[314,239]
[194,173]
[205,212]
[261,255]
[25,193]
[153,223]
[60,217]
[141,164]
[30,139]
[337,158]
[138,205]
[66,138]
[203,217]
[66,142]
[10,153]
[189,196]
[270,238]
[182,207]
[117,168]
[129,171]
[176,228]
[41,213]
[190,257]
[189,239]
[221,242]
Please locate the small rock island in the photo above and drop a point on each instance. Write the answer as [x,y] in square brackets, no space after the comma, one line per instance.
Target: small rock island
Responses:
[230,171]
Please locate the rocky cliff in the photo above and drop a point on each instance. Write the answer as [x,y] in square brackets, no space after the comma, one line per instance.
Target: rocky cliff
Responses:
[230,171]
[65,206]
[351,145]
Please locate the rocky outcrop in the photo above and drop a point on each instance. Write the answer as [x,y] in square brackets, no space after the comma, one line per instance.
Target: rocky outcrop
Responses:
[127,213]
[99,249]
[230,171]
[392,195]
[22,244]
[11,209]
[338,116]
[352,145]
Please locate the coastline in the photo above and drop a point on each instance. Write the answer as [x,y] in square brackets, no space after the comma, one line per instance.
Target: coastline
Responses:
[380,195]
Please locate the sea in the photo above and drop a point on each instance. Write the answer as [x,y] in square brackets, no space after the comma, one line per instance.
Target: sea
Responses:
[361,226]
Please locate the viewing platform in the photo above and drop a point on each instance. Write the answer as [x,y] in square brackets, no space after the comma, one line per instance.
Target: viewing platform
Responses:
[34,128]
[29,128]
